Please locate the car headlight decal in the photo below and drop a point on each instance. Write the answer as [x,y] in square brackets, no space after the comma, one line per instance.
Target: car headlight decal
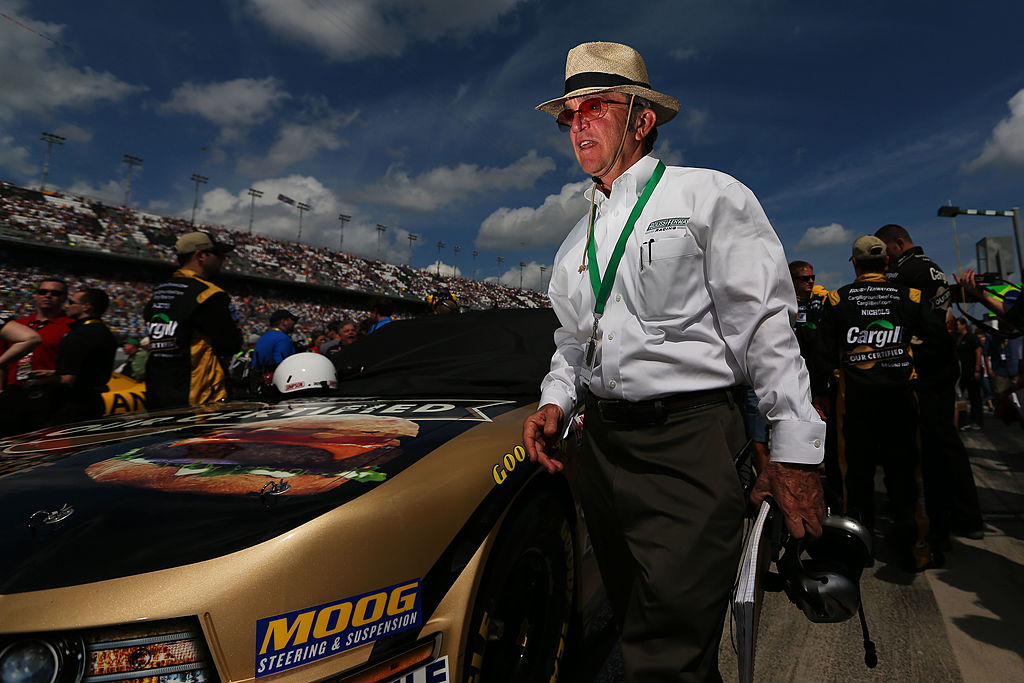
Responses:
[155,652]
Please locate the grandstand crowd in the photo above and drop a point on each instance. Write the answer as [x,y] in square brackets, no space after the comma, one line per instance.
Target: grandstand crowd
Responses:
[30,216]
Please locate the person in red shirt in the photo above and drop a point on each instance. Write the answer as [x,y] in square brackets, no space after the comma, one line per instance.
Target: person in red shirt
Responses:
[51,324]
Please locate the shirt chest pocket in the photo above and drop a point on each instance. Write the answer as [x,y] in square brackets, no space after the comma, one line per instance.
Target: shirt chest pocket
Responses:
[666,278]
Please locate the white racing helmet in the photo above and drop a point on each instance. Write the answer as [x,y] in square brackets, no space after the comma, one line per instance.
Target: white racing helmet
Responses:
[304,371]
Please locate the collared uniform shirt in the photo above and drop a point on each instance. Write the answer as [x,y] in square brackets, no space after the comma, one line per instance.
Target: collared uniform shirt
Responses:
[702,300]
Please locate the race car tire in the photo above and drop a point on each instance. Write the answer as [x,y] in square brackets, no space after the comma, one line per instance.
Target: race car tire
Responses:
[522,614]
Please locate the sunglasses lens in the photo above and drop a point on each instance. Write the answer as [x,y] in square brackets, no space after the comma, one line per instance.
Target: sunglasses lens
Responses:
[593,109]
[588,111]
[51,292]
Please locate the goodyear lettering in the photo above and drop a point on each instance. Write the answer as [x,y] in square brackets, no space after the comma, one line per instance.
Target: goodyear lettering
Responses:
[289,640]
[508,463]
[877,337]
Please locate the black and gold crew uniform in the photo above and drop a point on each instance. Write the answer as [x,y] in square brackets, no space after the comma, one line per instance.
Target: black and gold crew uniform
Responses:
[190,323]
[951,496]
[865,332]
[808,317]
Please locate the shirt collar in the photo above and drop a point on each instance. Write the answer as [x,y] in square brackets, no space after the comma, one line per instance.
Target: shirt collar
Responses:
[871,277]
[631,181]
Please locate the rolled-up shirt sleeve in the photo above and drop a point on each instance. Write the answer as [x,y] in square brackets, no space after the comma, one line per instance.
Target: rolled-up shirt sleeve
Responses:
[755,304]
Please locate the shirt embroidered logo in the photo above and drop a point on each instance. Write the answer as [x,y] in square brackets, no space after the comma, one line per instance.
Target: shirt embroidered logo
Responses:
[668,224]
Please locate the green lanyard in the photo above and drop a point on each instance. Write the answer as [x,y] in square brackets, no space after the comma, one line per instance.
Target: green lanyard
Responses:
[603,286]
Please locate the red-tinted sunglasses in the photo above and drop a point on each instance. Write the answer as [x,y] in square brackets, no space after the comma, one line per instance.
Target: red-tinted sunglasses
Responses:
[589,110]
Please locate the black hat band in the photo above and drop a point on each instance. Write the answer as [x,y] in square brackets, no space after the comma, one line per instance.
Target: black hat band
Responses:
[597,79]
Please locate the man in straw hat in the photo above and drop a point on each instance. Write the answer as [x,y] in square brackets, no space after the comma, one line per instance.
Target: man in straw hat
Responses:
[673,292]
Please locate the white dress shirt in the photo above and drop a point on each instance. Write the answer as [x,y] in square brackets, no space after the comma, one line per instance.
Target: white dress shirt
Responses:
[702,299]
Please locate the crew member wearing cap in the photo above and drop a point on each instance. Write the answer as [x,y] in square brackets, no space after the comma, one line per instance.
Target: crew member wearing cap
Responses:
[191,324]
[276,343]
[865,340]
[672,292]
[951,496]
[135,365]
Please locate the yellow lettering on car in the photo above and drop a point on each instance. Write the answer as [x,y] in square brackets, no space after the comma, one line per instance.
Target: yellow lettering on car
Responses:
[283,634]
[322,628]
[508,463]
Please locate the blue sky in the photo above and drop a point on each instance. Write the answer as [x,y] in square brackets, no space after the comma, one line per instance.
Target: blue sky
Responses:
[418,115]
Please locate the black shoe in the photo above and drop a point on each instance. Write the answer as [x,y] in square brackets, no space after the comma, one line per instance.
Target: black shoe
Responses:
[914,563]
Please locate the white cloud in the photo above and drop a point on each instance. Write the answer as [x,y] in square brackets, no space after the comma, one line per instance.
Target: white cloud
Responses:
[696,122]
[445,269]
[110,192]
[273,218]
[15,157]
[36,75]
[298,141]
[532,227]
[672,157]
[234,104]
[437,188]
[829,235]
[531,276]
[74,133]
[354,29]
[684,54]
[1006,146]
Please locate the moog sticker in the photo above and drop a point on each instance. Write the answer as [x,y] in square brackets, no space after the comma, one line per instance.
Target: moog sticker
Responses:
[435,672]
[289,640]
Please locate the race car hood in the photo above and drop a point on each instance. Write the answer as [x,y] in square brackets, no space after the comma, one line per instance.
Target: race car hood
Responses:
[134,494]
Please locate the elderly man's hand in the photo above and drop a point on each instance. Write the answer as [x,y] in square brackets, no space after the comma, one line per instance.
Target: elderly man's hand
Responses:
[797,491]
[539,430]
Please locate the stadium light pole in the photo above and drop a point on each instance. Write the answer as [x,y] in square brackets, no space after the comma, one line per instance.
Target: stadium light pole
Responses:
[542,269]
[303,208]
[455,259]
[341,239]
[440,246]
[501,259]
[380,234]
[132,163]
[412,238]
[475,254]
[252,205]
[50,139]
[197,179]
[522,264]
[1014,213]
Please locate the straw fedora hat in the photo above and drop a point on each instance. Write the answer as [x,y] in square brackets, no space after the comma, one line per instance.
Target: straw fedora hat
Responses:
[602,67]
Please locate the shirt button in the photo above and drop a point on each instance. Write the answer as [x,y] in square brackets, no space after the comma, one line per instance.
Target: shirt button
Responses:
[612,384]
[618,297]
[611,335]
[817,443]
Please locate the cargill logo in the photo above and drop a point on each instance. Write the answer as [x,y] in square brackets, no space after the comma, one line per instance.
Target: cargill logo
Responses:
[878,333]
[161,326]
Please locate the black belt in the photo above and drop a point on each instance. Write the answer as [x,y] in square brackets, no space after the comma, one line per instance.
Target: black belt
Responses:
[654,411]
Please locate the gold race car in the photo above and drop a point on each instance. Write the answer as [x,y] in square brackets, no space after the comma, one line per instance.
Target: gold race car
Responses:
[390,530]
